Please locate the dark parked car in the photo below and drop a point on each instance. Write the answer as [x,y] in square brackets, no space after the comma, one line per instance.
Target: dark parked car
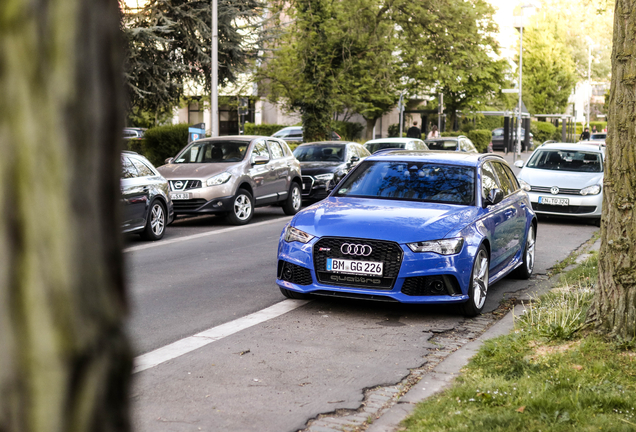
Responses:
[460,143]
[134,133]
[324,163]
[145,195]
[294,134]
[498,139]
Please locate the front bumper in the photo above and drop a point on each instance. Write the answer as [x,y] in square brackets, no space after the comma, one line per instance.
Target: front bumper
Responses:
[579,206]
[201,206]
[421,278]
[313,189]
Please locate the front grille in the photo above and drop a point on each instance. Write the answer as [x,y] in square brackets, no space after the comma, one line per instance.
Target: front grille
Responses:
[354,296]
[294,273]
[561,191]
[308,183]
[563,209]
[185,185]
[386,252]
[188,205]
[430,286]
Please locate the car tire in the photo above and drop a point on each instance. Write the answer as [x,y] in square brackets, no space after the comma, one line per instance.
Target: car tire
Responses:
[478,288]
[293,294]
[294,200]
[527,259]
[155,222]
[242,208]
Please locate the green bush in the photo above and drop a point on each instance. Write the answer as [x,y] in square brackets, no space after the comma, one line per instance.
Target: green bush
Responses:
[163,142]
[394,131]
[542,131]
[481,139]
[452,134]
[136,145]
[349,131]
[489,122]
[263,129]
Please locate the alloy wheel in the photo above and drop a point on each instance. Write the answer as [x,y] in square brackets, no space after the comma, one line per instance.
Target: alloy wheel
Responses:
[480,279]
[296,198]
[530,249]
[157,219]
[242,207]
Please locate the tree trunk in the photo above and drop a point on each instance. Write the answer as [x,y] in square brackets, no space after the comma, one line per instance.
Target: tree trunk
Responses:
[370,125]
[64,359]
[614,307]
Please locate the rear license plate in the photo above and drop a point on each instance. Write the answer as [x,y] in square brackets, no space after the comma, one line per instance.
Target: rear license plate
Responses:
[180,196]
[354,267]
[554,201]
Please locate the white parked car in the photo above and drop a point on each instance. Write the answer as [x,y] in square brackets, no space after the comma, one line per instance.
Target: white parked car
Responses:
[565,180]
[395,143]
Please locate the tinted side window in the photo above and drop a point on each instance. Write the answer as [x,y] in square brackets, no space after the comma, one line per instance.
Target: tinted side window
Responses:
[128,170]
[362,151]
[488,180]
[296,133]
[504,181]
[512,177]
[142,169]
[260,149]
[277,152]
[352,150]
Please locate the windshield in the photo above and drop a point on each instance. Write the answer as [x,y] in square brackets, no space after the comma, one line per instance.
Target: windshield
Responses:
[441,144]
[374,147]
[320,153]
[213,151]
[566,160]
[411,181]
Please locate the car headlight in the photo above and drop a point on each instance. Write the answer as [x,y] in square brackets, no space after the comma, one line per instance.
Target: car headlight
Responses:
[324,177]
[442,247]
[524,185]
[218,179]
[591,190]
[293,234]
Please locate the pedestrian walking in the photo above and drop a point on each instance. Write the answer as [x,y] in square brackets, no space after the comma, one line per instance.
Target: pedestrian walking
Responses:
[414,131]
[594,129]
[585,136]
[434,133]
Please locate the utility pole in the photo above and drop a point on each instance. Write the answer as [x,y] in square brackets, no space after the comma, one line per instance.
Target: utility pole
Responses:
[401,110]
[214,95]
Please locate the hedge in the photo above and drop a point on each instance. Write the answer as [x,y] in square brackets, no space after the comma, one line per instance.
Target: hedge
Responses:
[452,134]
[481,138]
[349,131]
[263,129]
[394,131]
[163,142]
[542,131]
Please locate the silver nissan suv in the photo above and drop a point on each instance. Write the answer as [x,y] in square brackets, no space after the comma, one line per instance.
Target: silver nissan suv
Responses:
[232,175]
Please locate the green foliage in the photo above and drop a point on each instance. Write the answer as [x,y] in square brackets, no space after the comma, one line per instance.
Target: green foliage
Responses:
[481,139]
[542,131]
[452,134]
[163,142]
[548,70]
[264,129]
[394,130]
[136,145]
[488,122]
[349,131]
[168,44]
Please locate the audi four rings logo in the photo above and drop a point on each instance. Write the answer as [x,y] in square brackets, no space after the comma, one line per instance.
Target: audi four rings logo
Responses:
[355,249]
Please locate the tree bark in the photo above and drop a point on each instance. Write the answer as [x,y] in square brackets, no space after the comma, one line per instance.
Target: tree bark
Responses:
[64,359]
[370,125]
[614,306]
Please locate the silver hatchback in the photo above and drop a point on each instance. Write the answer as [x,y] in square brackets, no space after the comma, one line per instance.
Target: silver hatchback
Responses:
[232,175]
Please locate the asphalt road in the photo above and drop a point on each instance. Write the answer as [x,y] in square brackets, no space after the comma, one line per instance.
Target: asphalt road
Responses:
[276,375]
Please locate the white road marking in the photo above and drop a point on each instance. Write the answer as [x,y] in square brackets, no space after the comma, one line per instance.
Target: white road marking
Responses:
[205,234]
[194,342]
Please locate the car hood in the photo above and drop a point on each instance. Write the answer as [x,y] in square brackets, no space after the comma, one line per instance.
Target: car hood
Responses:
[193,170]
[562,179]
[315,168]
[399,221]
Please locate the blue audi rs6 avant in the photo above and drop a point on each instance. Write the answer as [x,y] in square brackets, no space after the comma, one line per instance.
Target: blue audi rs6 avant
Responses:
[412,227]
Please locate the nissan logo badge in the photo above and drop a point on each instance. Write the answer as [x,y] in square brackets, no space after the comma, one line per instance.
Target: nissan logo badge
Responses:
[356,249]
[178,184]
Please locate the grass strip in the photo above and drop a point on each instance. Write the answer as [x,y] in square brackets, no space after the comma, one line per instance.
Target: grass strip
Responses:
[546,375]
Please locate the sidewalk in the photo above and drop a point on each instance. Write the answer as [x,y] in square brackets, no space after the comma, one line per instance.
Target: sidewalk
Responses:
[385,407]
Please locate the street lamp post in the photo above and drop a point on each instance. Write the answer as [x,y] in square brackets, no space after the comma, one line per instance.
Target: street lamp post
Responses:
[214,94]
[589,86]
[518,144]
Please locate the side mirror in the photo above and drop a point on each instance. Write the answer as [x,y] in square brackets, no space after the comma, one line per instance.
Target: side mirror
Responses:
[495,196]
[354,159]
[259,160]
[169,160]
[519,164]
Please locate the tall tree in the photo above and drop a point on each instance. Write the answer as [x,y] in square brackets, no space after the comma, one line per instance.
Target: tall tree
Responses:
[548,70]
[169,47]
[65,362]
[614,306]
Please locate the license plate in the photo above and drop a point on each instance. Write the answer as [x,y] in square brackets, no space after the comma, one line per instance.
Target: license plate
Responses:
[554,201]
[180,196]
[354,267]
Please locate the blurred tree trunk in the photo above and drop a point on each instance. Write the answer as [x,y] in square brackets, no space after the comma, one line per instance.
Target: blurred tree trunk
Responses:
[64,359]
[614,308]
